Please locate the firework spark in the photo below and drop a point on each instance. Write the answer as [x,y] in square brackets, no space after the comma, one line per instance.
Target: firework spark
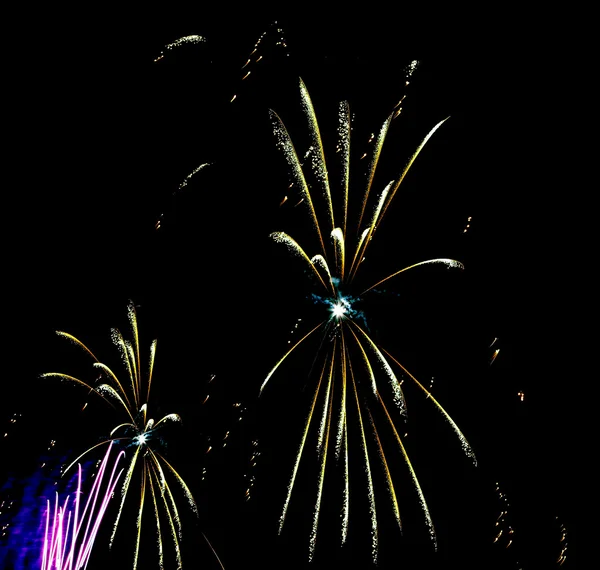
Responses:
[139,433]
[70,534]
[357,377]
[185,40]
[275,34]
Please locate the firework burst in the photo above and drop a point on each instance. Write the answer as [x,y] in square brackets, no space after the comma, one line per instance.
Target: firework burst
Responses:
[139,433]
[358,384]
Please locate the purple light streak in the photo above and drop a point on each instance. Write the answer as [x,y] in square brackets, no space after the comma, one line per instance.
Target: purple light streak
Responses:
[67,544]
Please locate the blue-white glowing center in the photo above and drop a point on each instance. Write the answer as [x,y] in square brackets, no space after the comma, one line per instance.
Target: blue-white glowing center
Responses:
[338,310]
[340,307]
[140,439]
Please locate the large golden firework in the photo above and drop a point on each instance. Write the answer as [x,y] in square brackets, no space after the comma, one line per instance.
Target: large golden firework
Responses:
[357,377]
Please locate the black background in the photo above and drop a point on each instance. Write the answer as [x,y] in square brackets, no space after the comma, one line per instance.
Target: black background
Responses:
[100,136]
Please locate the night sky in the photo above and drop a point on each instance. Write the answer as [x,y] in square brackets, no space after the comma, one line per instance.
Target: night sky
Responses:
[107,119]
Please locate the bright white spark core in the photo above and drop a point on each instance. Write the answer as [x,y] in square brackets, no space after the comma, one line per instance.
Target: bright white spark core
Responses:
[140,439]
[338,310]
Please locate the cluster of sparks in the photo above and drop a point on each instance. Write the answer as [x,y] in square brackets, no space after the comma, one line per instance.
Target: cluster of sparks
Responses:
[71,528]
[562,556]
[139,432]
[185,40]
[504,530]
[181,187]
[354,372]
[12,422]
[255,56]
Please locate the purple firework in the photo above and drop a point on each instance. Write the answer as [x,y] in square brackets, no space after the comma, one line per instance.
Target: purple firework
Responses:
[69,533]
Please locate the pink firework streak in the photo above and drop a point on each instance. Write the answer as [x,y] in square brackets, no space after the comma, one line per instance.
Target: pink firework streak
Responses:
[69,536]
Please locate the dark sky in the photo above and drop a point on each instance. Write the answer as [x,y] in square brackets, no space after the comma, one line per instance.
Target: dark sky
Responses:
[102,136]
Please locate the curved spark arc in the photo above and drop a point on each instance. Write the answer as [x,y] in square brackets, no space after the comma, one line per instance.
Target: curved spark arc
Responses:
[124,490]
[366,364]
[69,378]
[322,447]
[151,358]
[360,246]
[468,451]
[346,490]
[284,142]
[451,263]
[373,165]
[319,260]
[409,164]
[213,551]
[138,522]
[77,342]
[318,163]
[344,149]
[85,453]
[399,399]
[325,416]
[386,196]
[414,477]
[341,429]
[367,469]
[286,355]
[169,505]
[294,247]
[135,353]
[388,475]
[181,482]
[120,395]
[400,402]
[299,452]
[120,343]
[367,234]
[157,518]
[340,250]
